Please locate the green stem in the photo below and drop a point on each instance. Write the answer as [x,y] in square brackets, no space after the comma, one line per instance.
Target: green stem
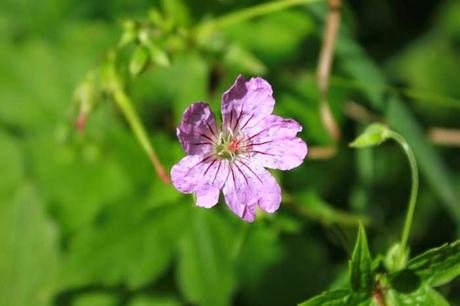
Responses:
[126,106]
[413,194]
[248,13]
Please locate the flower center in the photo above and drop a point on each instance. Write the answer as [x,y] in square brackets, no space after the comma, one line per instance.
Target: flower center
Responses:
[229,145]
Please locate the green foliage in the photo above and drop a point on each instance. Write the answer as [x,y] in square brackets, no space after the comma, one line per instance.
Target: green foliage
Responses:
[208,244]
[329,298]
[361,277]
[30,258]
[374,135]
[439,265]
[85,220]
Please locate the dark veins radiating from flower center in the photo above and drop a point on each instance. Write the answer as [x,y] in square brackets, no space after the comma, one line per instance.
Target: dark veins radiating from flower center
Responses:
[234,146]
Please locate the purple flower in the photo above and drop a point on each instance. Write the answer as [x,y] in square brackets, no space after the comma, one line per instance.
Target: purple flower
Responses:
[234,157]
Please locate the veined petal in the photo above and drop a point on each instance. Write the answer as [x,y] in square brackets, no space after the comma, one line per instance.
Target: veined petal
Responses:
[274,143]
[249,187]
[246,103]
[207,197]
[198,130]
[203,176]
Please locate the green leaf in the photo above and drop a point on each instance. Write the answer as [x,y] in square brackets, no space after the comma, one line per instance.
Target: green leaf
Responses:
[242,59]
[205,272]
[139,60]
[104,254]
[159,56]
[373,135]
[29,258]
[425,296]
[96,299]
[361,276]
[11,167]
[130,33]
[154,301]
[439,265]
[177,11]
[328,298]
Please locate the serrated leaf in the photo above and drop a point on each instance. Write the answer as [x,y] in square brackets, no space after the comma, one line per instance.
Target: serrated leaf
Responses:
[361,277]
[425,296]
[439,265]
[328,298]
[139,60]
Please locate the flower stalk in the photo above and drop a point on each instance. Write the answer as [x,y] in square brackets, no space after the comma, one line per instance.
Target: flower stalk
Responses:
[114,85]
[375,134]
[413,194]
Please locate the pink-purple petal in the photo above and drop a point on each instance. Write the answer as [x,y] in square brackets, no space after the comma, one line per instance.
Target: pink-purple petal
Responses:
[247,102]
[208,196]
[275,144]
[202,175]
[249,187]
[198,129]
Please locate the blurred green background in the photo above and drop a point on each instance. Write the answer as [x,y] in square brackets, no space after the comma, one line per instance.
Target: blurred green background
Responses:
[84,219]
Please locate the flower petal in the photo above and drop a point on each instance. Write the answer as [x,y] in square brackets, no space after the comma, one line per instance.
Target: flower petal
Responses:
[248,187]
[246,102]
[203,176]
[207,197]
[275,145]
[198,130]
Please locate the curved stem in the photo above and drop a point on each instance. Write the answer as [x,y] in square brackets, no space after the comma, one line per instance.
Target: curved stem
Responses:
[126,106]
[248,13]
[414,189]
